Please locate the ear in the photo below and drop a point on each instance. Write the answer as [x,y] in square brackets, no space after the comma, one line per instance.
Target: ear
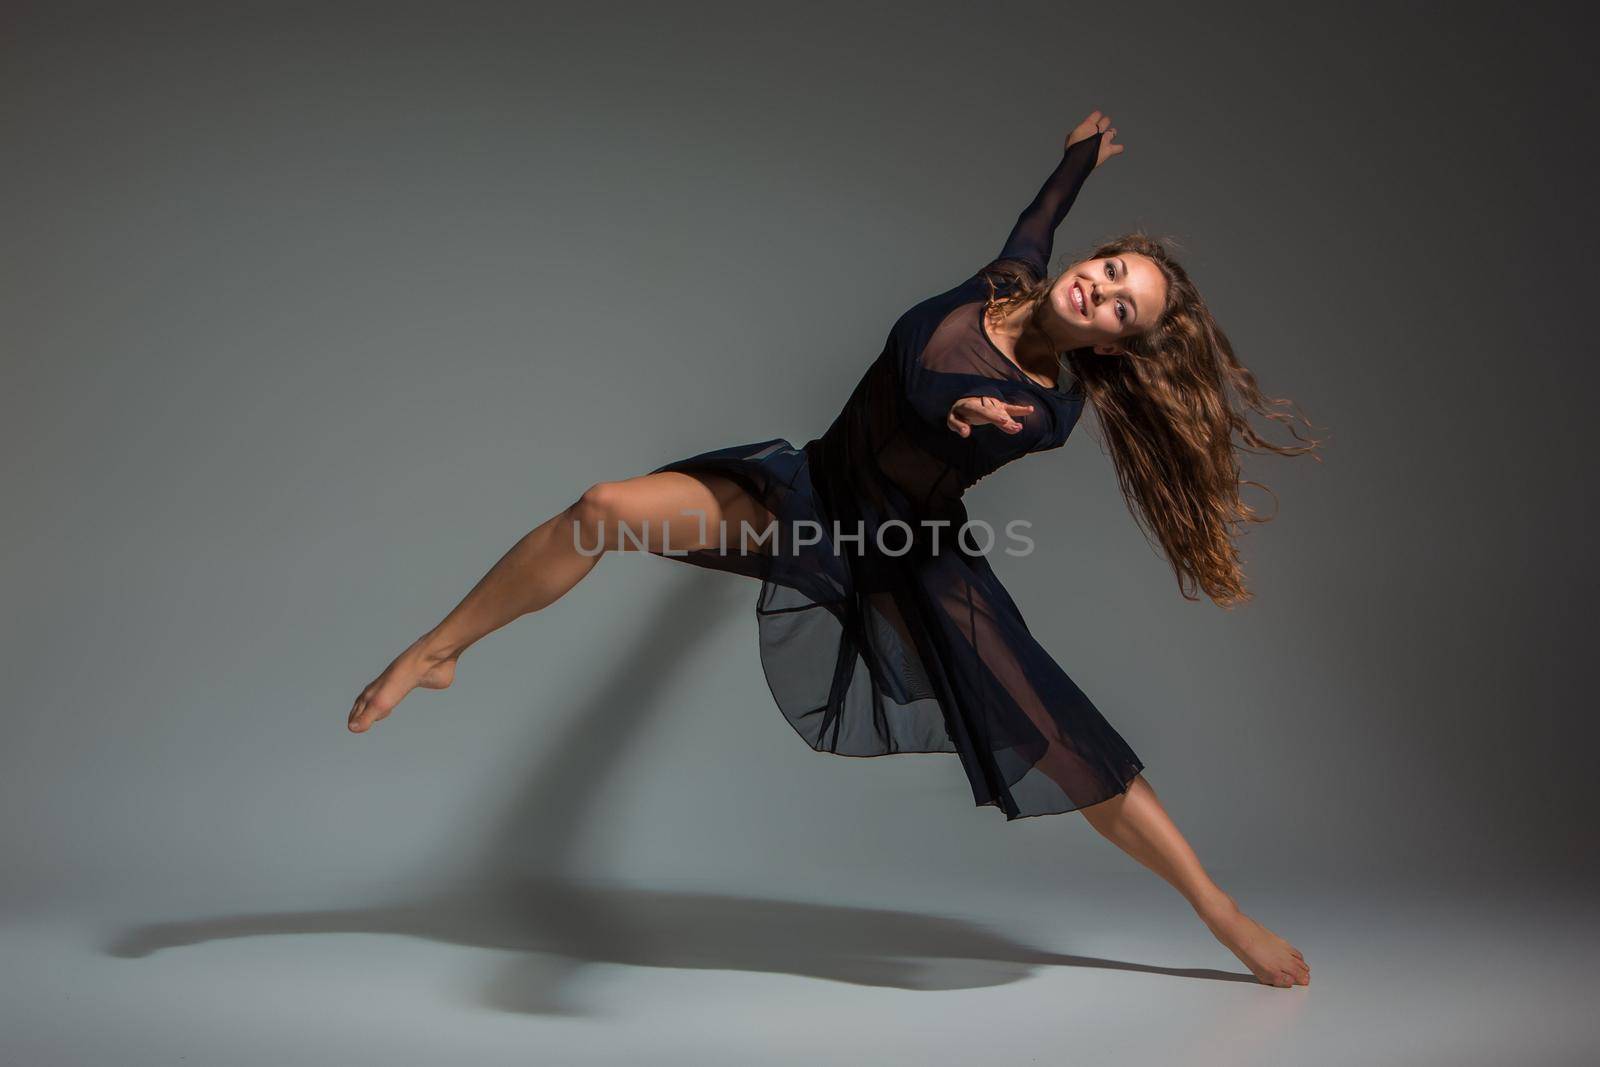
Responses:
[1109,350]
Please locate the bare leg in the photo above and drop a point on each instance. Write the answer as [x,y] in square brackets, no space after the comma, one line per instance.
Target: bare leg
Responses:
[1137,823]
[554,557]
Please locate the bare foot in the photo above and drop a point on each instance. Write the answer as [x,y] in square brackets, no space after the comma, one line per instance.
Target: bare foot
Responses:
[1270,958]
[418,665]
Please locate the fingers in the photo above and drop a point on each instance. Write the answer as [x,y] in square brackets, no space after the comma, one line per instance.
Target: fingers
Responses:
[1004,418]
[997,413]
[1107,146]
[970,411]
[1089,127]
[1098,125]
[998,416]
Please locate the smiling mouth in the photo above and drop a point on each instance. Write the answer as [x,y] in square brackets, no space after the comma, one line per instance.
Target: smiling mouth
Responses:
[1079,301]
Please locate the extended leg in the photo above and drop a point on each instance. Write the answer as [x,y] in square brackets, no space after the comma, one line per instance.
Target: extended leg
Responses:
[1137,823]
[1135,820]
[554,557]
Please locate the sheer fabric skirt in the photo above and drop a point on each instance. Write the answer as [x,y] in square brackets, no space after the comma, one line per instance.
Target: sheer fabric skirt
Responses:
[871,655]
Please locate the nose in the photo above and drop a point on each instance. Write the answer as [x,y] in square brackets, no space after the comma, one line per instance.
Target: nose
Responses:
[1100,296]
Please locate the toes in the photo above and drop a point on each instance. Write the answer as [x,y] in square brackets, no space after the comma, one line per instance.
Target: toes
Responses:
[362,717]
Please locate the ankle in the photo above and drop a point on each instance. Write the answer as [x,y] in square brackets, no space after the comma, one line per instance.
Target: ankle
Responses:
[1214,904]
[437,647]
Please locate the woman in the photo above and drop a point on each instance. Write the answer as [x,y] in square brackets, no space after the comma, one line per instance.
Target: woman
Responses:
[883,628]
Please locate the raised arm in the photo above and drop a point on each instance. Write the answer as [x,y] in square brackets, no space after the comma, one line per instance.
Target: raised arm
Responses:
[1033,237]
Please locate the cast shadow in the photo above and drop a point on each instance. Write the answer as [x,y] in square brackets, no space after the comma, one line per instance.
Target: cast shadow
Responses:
[520,898]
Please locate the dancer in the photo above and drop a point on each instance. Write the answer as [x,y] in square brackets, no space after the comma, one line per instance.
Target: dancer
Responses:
[883,628]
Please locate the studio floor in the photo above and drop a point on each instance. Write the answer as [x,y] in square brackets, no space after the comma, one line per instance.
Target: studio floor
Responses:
[602,973]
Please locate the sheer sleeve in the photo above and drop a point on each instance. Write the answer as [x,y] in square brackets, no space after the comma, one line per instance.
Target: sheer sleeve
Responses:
[1033,237]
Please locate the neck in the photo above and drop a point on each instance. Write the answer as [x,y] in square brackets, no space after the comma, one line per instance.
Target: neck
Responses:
[1031,347]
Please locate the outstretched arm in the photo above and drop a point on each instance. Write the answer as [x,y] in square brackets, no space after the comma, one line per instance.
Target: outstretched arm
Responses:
[1033,237]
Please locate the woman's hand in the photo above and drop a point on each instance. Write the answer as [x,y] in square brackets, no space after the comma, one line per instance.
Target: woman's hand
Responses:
[972,411]
[1093,126]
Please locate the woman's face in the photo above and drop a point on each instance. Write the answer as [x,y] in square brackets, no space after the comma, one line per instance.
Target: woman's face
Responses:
[1100,302]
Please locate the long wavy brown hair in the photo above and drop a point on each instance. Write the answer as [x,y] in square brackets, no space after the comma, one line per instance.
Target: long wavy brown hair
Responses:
[1174,416]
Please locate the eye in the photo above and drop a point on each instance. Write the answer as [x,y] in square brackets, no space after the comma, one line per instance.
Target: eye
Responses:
[1122,312]
[1111,270]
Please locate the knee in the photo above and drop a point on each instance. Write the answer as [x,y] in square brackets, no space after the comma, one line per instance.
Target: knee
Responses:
[599,504]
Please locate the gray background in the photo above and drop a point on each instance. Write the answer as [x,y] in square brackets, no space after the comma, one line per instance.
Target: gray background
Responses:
[308,312]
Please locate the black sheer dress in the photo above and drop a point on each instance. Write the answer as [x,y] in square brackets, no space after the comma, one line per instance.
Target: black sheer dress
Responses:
[902,639]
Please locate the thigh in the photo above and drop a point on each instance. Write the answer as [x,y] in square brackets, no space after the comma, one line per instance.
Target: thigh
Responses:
[674,510]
